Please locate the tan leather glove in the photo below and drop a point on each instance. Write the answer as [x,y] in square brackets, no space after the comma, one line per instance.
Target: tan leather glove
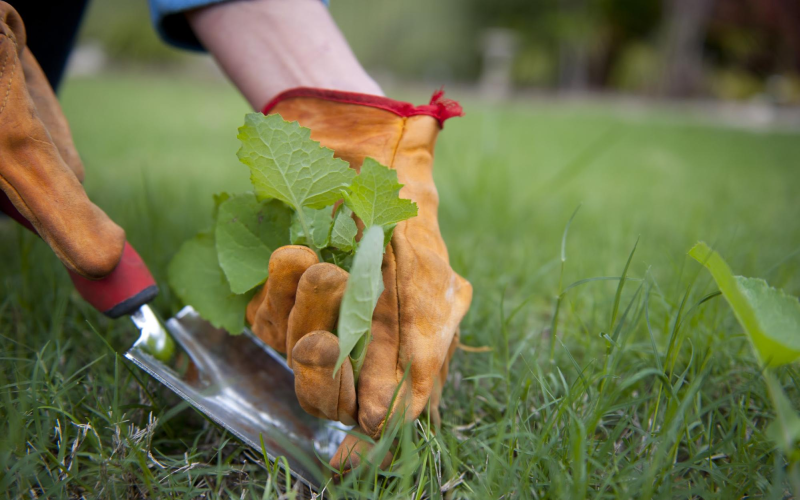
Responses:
[40,170]
[415,324]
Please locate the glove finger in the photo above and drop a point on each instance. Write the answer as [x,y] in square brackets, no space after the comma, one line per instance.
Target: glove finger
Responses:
[316,306]
[286,266]
[34,177]
[430,357]
[251,313]
[319,391]
[352,451]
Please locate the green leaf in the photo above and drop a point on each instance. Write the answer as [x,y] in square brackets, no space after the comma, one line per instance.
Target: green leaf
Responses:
[343,235]
[364,286]
[319,225]
[219,199]
[247,231]
[197,279]
[388,232]
[287,165]
[770,318]
[333,255]
[374,196]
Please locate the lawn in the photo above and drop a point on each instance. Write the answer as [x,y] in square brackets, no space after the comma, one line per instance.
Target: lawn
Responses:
[654,395]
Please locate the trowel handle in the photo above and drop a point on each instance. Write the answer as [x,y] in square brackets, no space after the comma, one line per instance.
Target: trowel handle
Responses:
[128,287]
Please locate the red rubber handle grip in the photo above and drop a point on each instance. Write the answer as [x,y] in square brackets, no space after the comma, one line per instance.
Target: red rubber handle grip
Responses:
[128,287]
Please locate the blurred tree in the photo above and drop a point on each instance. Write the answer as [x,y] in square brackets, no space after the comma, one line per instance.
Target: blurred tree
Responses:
[575,35]
[730,48]
[537,27]
[124,30]
[754,46]
[685,27]
[433,41]
[762,36]
[626,56]
[573,44]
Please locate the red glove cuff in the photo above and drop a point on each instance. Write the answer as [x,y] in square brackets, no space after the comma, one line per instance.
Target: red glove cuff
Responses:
[439,108]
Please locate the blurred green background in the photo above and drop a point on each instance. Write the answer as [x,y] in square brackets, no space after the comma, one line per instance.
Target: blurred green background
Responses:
[726,49]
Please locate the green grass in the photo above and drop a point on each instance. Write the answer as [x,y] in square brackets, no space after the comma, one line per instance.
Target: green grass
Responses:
[672,406]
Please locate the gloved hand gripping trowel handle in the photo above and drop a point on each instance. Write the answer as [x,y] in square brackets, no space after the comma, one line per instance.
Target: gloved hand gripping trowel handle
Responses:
[128,287]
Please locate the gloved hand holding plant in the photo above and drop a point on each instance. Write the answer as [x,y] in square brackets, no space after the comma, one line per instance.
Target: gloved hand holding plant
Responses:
[398,308]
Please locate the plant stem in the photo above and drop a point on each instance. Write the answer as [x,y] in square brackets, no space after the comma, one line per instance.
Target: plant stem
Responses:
[309,237]
[360,352]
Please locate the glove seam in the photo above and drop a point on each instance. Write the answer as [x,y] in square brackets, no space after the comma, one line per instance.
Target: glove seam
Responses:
[395,148]
[5,61]
[394,256]
[10,77]
[399,140]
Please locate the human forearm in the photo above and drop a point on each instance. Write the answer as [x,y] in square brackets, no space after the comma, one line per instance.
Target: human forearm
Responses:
[268,46]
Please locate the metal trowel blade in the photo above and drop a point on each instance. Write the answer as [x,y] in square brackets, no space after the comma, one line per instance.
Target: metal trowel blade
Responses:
[244,386]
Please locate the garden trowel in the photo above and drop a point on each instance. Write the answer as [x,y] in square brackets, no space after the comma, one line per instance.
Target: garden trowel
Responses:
[241,384]
[237,381]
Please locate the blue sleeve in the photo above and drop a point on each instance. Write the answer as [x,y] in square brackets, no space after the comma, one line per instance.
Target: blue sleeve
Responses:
[171,25]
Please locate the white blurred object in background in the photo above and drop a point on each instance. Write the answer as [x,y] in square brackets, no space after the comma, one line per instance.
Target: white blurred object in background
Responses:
[88,58]
[499,46]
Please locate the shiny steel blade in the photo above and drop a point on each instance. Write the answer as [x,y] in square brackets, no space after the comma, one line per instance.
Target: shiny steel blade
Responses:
[244,386]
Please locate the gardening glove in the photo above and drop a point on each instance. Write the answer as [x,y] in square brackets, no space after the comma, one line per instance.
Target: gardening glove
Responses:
[40,170]
[415,323]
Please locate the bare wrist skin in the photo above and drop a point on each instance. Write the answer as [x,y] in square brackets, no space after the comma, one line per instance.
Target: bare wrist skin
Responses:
[268,46]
